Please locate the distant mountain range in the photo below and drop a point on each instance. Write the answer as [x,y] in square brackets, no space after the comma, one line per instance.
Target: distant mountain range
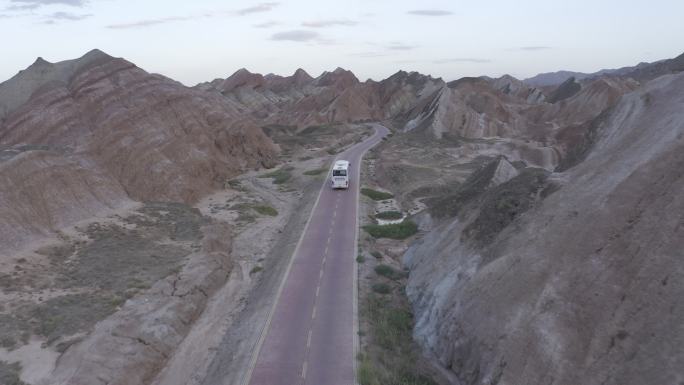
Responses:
[641,71]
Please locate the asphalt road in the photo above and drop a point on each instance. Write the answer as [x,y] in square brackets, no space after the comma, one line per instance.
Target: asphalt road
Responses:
[311,333]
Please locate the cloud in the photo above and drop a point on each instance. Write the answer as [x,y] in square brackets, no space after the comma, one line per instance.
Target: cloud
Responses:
[401,47]
[33,4]
[370,54]
[430,12]
[328,23]
[25,7]
[263,7]
[149,22]
[296,35]
[462,60]
[267,24]
[67,16]
[532,48]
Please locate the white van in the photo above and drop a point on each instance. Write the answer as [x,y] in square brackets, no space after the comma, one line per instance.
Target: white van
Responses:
[340,174]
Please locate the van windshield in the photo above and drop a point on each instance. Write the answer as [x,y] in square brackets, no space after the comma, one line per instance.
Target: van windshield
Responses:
[339,172]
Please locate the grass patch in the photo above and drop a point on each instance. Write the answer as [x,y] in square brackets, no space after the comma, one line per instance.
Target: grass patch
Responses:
[376,254]
[265,210]
[366,372]
[382,288]
[235,185]
[376,195]
[395,357]
[401,230]
[360,258]
[255,270]
[8,342]
[315,172]
[280,175]
[9,373]
[388,271]
[389,215]
[69,314]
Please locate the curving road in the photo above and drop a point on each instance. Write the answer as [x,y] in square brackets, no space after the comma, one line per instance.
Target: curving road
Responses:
[310,336]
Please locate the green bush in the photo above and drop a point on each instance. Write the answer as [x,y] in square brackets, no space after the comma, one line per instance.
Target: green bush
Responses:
[389,215]
[381,288]
[265,210]
[360,258]
[376,254]
[8,342]
[9,373]
[366,373]
[401,230]
[255,270]
[279,176]
[388,272]
[376,195]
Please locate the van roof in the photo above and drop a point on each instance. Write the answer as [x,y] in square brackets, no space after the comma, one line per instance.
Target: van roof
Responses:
[341,164]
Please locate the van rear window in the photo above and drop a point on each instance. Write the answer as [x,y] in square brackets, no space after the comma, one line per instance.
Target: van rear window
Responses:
[339,172]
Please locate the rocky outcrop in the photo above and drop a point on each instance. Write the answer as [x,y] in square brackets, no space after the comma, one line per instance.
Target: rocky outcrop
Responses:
[578,288]
[98,131]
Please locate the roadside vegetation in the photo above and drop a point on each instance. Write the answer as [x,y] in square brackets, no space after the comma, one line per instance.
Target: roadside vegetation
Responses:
[376,195]
[9,374]
[390,355]
[265,210]
[389,272]
[389,215]
[315,172]
[401,230]
[279,176]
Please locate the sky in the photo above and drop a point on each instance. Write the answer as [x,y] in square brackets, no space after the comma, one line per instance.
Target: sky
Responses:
[200,40]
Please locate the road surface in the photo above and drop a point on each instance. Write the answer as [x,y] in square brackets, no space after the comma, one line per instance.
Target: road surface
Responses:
[311,333]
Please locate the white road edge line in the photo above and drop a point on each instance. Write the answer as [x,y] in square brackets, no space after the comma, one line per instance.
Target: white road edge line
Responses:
[267,326]
[308,339]
[304,365]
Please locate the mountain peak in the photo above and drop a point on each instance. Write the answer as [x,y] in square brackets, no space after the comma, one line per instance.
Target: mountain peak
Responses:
[40,62]
[301,74]
[96,53]
[340,77]
[241,71]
